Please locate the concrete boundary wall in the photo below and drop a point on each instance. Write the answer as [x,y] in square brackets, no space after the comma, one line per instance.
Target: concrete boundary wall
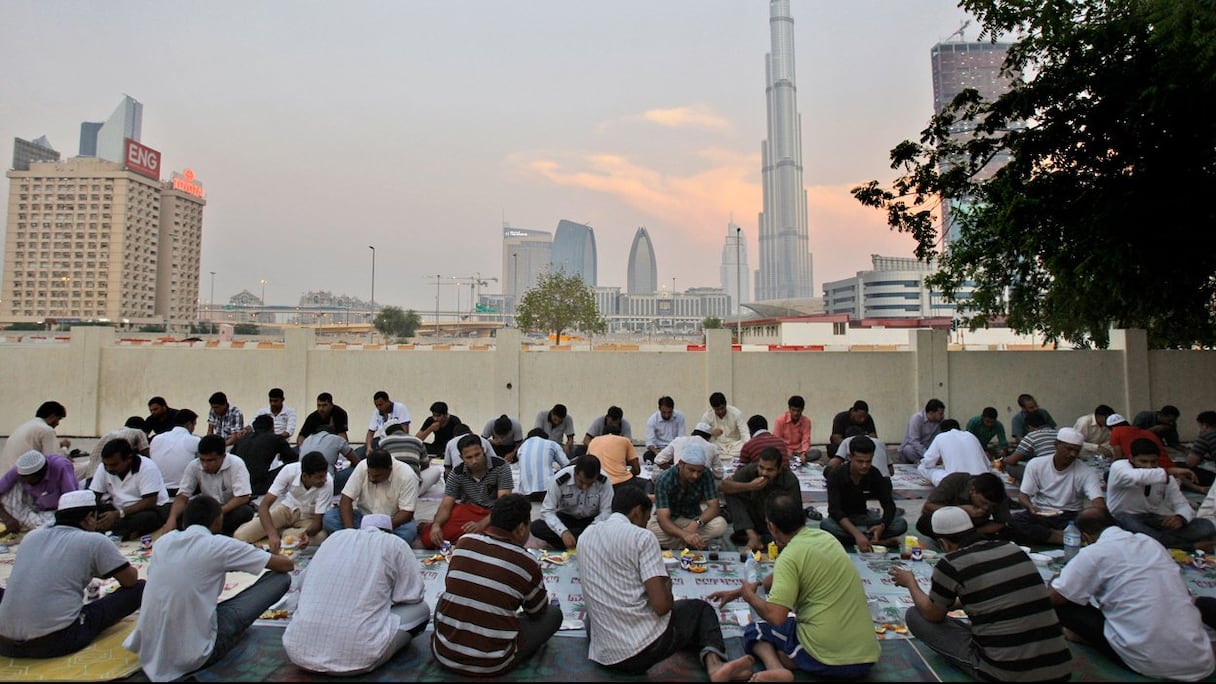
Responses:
[101,382]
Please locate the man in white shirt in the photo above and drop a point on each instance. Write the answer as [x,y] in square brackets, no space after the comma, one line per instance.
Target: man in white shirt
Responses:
[284,416]
[219,475]
[386,410]
[451,453]
[671,454]
[956,450]
[379,484]
[1145,498]
[133,497]
[295,505]
[577,497]
[180,628]
[172,450]
[1123,594]
[35,434]
[662,427]
[348,628]
[539,458]
[1092,427]
[727,426]
[1053,491]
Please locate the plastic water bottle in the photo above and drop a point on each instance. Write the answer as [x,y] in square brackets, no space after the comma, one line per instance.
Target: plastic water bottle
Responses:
[1072,541]
[751,569]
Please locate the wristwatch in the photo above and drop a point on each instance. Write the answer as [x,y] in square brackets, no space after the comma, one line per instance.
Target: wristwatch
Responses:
[700,523]
[122,513]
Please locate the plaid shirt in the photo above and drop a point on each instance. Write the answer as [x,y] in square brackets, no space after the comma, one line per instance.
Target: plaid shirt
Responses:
[231,422]
[681,501]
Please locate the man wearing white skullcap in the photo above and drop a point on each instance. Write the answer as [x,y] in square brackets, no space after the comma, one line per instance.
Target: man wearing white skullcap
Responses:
[30,490]
[41,614]
[679,494]
[1054,490]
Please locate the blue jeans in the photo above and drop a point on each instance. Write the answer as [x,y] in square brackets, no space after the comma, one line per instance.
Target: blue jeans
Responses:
[1198,529]
[235,615]
[332,522]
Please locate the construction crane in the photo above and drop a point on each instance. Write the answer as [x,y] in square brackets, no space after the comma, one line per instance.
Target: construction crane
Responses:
[475,282]
[959,32]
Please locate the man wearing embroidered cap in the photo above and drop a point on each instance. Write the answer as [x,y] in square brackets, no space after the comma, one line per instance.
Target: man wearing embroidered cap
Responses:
[1013,633]
[1053,492]
[30,490]
[686,504]
[41,615]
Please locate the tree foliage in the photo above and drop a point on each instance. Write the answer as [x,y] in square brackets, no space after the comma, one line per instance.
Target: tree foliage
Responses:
[245,329]
[711,323]
[394,322]
[1094,220]
[557,303]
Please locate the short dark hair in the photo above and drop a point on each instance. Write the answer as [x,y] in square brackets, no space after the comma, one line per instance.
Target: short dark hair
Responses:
[117,446]
[218,398]
[1023,398]
[74,517]
[860,405]
[854,430]
[558,410]
[538,432]
[381,395]
[717,399]
[159,401]
[468,441]
[796,401]
[989,412]
[136,422]
[313,462]
[325,397]
[379,459]
[667,401]
[630,497]
[1206,418]
[1093,520]
[948,424]
[263,422]
[1103,410]
[184,416]
[989,486]
[756,423]
[861,444]
[511,511]
[503,425]
[615,412]
[1035,419]
[769,454]
[934,405]
[211,444]
[394,428]
[1143,447]
[275,393]
[464,429]
[440,407]
[588,465]
[202,510]
[50,408]
[785,512]
[1170,410]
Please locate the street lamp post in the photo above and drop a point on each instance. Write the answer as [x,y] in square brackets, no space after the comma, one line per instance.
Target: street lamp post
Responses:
[373,249]
[211,302]
[738,284]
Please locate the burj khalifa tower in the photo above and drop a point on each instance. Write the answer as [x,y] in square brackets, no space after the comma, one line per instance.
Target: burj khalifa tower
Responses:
[785,258]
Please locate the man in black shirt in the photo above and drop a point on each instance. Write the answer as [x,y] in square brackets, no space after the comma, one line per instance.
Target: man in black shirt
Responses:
[442,425]
[327,413]
[259,449]
[859,415]
[160,417]
[849,519]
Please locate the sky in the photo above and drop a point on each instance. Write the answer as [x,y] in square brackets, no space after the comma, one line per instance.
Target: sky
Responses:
[318,128]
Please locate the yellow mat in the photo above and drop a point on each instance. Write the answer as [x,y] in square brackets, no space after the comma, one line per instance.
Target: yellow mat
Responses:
[100,661]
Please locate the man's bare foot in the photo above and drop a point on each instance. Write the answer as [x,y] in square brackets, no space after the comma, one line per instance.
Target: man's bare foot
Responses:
[737,670]
[782,675]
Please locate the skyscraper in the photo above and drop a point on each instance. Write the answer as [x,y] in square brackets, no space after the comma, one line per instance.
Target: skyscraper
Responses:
[107,140]
[574,251]
[785,259]
[26,151]
[525,256]
[734,268]
[643,271]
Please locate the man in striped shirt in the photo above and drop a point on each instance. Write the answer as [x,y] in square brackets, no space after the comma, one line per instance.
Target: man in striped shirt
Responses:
[468,494]
[1014,634]
[478,630]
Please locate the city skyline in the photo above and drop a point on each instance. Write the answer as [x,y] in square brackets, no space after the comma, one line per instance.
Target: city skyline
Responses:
[363,126]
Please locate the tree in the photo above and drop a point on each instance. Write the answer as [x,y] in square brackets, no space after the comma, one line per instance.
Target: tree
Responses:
[394,322]
[245,329]
[711,323]
[557,303]
[1088,224]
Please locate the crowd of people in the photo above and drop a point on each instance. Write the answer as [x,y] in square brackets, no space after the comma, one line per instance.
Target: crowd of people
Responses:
[208,501]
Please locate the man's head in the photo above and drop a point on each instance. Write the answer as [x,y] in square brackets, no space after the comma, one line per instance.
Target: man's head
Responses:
[859,411]
[667,406]
[206,511]
[861,455]
[702,430]
[1034,420]
[1115,420]
[692,463]
[784,513]
[986,492]
[117,457]
[717,401]
[1168,415]
[988,416]
[31,467]
[769,464]
[538,432]
[393,427]
[1092,521]
[379,466]
[513,514]
[383,404]
[52,412]
[503,426]
[948,425]
[263,423]
[757,423]
[1101,413]
[439,413]
[219,403]
[325,404]
[935,410]
[275,398]
[612,420]
[557,414]
[211,453]
[586,471]
[633,503]
[377,521]
[136,423]
[157,407]
[185,418]
[1143,453]
[953,526]
[796,405]
[1206,420]
[1068,447]
[1027,403]
[313,469]
[77,509]
[472,454]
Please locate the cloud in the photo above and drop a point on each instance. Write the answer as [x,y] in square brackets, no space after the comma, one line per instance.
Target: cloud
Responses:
[694,116]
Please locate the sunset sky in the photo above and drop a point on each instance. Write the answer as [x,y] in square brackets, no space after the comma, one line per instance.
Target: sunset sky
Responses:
[320,128]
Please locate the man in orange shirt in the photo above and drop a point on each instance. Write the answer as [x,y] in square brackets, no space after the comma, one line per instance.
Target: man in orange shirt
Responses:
[618,460]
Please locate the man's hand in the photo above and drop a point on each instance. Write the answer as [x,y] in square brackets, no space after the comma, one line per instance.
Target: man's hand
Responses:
[757,483]
[1173,522]
[471,527]
[876,532]
[568,539]
[303,541]
[11,525]
[693,540]
[722,598]
[107,520]
[974,511]
[902,576]
[754,543]
[716,432]
[276,543]
[436,535]
[863,543]
[1182,474]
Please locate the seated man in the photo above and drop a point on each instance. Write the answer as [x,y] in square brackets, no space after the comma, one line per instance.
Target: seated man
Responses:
[980,496]
[538,458]
[379,484]
[30,490]
[348,628]
[468,494]
[133,430]
[1163,422]
[263,452]
[160,417]
[1147,499]
[172,450]
[618,460]
[559,425]
[180,628]
[412,451]
[219,475]
[41,615]
[491,577]
[284,417]
[1011,634]
[332,446]
[923,426]
[679,495]
[1039,442]
[1123,594]
[633,621]
[1123,433]
[795,428]
[505,435]
[841,456]
[990,432]
[1203,449]
[663,426]
[613,422]
[857,415]
[849,519]
[748,489]
[385,410]
[727,427]
[328,414]
[296,504]
[441,426]
[225,420]
[952,451]
[815,619]
[1053,492]
[578,496]
[1092,426]
[760,440]
[671,453]
[132,493]
[1028,405]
